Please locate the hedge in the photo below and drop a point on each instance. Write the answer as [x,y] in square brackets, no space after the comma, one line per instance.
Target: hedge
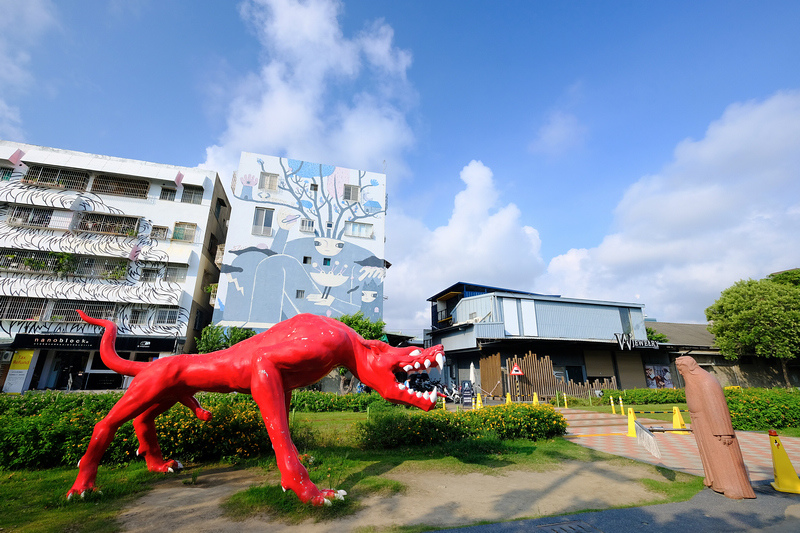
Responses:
[753,409]
[323,402]
[398,427]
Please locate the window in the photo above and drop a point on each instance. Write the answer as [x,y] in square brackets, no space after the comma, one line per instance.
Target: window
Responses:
[176,273]
[358,229]
[61,178]
[159,232]
[306,260]
[268,181]
[167,316]
[138,317]
[218,208]
[307,225]
[184,231]
[192,194]
[117,186]
[326,261]
[64,310]
[213,244]
[262,221]
[167,194]
[314,187]
[14,308]
[5,174]
[300,294]
[149,275]
[199,319]
[113,224]
[40,217]
[351,193]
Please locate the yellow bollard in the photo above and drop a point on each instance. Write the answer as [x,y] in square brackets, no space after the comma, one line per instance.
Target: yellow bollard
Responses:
[786,479]
[677,422]
[631,423]
[565,401]
[613,408]
[535,399]
[478,402]
[508,398]
[621,407]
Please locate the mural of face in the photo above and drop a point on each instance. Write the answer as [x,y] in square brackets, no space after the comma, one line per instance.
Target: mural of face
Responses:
[369,296]
[328,247]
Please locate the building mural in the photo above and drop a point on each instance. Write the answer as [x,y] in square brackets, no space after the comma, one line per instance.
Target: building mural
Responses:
[303,238]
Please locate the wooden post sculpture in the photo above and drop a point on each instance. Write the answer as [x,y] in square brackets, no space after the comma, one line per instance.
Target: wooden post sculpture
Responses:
[720,454]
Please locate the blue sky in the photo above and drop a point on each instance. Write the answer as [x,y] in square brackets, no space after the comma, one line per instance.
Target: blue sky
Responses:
[628,151]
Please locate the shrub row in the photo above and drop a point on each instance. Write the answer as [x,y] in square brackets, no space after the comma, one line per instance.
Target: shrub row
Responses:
[763,409]
[323,402]
[53,429]
[398,427]
[753,409]
[645,396]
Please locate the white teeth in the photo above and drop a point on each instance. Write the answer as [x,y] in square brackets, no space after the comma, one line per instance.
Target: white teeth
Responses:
[416,365]
[410,391]
[434,394]
[440,361]
[401,386]
[407,368]
[427,363]
[415,352]
[426,395]
[419,395]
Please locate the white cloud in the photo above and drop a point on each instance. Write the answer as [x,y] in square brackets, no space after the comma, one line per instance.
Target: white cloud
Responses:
[483,242]
[562,132]
[318,95]
[25,23]
[725,208]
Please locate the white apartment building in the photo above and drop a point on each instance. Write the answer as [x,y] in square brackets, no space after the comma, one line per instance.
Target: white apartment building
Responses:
[130,241]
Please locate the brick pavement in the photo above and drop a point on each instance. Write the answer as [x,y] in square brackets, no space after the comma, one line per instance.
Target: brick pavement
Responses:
[608,433]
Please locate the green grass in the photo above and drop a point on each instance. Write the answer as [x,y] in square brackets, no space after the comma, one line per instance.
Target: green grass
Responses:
[34,501]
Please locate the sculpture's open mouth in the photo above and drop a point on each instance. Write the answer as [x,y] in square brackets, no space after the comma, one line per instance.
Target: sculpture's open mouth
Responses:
[412,376]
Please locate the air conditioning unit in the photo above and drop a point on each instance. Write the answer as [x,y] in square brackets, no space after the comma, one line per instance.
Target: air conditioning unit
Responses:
[6,356]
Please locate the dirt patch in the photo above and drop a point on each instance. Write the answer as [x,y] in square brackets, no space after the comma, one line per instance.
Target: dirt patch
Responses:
[432,498]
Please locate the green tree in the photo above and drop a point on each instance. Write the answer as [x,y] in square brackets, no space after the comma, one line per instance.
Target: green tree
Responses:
[214,338]
[368,330]
[760,318]
[653,335]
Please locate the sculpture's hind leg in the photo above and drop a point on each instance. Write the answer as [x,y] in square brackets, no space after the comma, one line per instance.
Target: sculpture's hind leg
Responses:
[145,428]
[125,409]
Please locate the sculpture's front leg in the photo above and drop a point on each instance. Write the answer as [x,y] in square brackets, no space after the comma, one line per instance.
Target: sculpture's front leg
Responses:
[268,392]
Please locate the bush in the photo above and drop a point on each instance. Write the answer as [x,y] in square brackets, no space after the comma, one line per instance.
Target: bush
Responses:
[323,402]
[397,428]
[44,430]
[764,409]
[645,396]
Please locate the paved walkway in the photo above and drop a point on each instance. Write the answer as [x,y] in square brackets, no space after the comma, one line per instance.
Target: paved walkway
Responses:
[608,433]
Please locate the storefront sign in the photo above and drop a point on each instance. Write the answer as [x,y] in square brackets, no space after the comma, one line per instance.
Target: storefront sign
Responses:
[54,340]
[18,371]
[626,342]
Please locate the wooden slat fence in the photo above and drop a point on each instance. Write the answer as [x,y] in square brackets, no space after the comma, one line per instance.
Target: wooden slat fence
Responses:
[538,378]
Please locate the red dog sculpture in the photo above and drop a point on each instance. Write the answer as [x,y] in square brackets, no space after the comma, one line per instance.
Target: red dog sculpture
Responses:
[294,353]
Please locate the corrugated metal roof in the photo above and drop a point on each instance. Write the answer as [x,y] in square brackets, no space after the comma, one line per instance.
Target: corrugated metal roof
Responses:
[684,334]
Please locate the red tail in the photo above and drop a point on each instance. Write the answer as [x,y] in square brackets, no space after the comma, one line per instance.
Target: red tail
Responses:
[107,351]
